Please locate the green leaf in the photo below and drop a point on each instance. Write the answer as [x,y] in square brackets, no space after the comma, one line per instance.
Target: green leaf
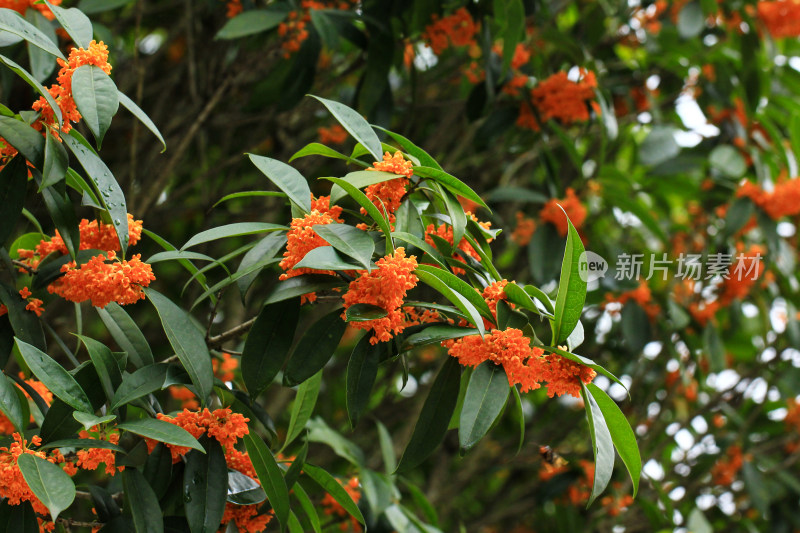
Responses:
[84,444]
[296,468]
[96,97]
[131,106]
[326,151]
[520,297]
[360,179]
[249,194]
[486,396]
[332,487]
[267,247]
[89,420]
[205,488]
[361,372]
[268,344]
[727,160]
[412,149]
[348,240]
[364,202]
[251,22]
[435,334]
[270,476]
[451,183]
[635,327]
[13,185]
[460,286]
[110,193]
[463,304]
[56,162]
[315,348]
[698,523]
[584,361]
[325,258]
[126,334]
[105,364]
[458,218]
[602,445]
[758,490]
[712,343]
[232,230]
[162,431]
[24,138]
[187,341]
[299,285]
[658,147]
[144,381]
[308,507]
[571,289]
[75,23]
[54,376]
[33,82]
[100,6]
[63,214]
[11,22]
[10,404]
[303,407]
[364,313]
[286,179]
[621,434]
[435,417]
[26,325]
[243,490]
[141,503]
[355,126]
[48,482]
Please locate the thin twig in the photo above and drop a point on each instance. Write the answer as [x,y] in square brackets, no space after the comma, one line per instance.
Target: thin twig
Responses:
[24,265]
[231,333]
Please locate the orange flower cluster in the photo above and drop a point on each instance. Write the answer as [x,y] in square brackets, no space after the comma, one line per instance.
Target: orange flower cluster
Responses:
[333,509]
[781,17]
[458,29]
[104,279]
[552,213]
[559,98]
[741,277]
[6,427]
[725,469]
[294,32]
[34,304]
[224,370]
[12,482]
[641,295]
[234,7]
[97,55]
[386,287]
[517,80]
[387,195]
[792,422]
[301,238]
[91,458]
[578,493]
[333,135]
[445,231]
[21,6]
[246,517]
[524,230]
[784,200]
[523,364]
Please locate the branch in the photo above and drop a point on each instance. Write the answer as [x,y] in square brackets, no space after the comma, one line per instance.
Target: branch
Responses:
[231,333]
[24,265]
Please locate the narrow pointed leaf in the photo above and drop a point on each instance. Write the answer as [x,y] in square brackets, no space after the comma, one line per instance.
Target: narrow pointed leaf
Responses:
[303,407]
[270,476]
[348,240]
[25,75]
[232,230]
[161,431]
[55,377]
[96,97]
[126,334]
[571,289]
[355,125]
[141,503]
[326,258]
[24,138]
[268,344]
[361,372]
[486,395]
[11,22]
[315,348]
[13,185]
[144,381]
[286,179]
[10,404]
[205,487]
[602,445]
[131,106]
[332,487]
[48,482]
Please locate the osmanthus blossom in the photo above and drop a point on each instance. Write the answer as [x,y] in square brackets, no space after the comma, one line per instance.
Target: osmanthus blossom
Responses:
[781,17]
[458,29]
[560,98]
[387,195]
[21,6]
[333,509]
[553,214]
[445,231]
[34,305]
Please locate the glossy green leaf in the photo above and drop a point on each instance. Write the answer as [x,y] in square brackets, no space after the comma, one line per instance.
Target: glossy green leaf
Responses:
[303,407]
[308,507]
[251,22]
[162,431]
[435,417]
[325,258]
[299,285]
[348,240]
[85,444]
[26,325]
[126,334]
[205,488]
[412,149]
[355,125]
[100,6]
[332,487]
[55,377]
[243,490]
[141,503]
[187,341]
[315,348]
[56,161]
[106,365]
[435,334]
[13,185]
[131,106]
[11,22]
[268,343]
[146,380]
[75,23]
[621,434]
[232,230]
[364,202]
[461,302]
[88,420]
[362,368]
[602,445]
[63,214]
[364,313]
[10,404]
[286,179]
[96,98]
[485,398]
[360,179]
[460,286]
[48,482]
[33,82]
[451,183]
[249,194]
[24,138]
[267,247]
[270,476]
[518,296]
[571,289]
[326,151]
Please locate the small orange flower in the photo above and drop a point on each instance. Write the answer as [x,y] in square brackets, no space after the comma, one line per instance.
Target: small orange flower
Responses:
[445,231]
[552,213]
[234,7]
[725,470]
[781,17]
[458,29]
[222,424]
[524,231]
[225,369]
[91,458]
[333,135]
[185,396]
[641,295]
[387,195]
[559,98]
[333,508]
[386,287]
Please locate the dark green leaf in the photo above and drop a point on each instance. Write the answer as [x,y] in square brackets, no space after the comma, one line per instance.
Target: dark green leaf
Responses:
[33,82]
[412,149]
[364,313]
[242,490]
[141,503]
[56,161]
[635,327]
[84,444]
[355,125]
[268,344]
[162,431]
[205,487]
[105,364]
[231,230]
[571,289]
[55,377]
[452,183]
[270,476]
[321,149]
[97,99]
[486,395]
[361,372]
[11,22]
[264,249]
[126,334]
[602,445]
[75,23]
[131,106]
[89,420]
[348,240]
[187,341]
[714,348]
[299,285]
[315,348]
[435,416]
[435,334]
[144,381]
[360,179]
[24,138]
[252,21]
[48,482]
[325,258]
[332,487]
[463,304]
[286,178]
[364,202]
[10,404]
[303,407]
[13,185]
[460,286]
